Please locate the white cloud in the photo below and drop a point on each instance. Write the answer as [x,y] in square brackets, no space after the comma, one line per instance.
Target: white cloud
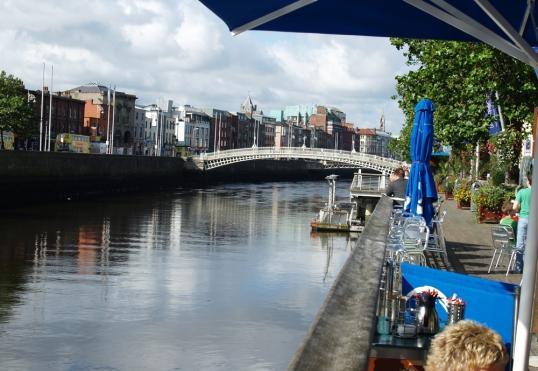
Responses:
[181,51]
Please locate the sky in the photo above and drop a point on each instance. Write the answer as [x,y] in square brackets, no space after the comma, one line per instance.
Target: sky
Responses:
[179,50]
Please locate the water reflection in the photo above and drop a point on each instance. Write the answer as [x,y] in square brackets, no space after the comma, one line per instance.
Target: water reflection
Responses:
[219,278]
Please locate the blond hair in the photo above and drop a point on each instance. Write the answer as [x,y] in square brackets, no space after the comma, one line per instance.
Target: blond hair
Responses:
[466,346]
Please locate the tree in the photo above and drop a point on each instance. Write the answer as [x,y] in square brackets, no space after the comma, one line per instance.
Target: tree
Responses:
[15,112]
[457,77]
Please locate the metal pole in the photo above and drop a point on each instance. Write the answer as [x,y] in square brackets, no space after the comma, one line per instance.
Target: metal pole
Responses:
[215,135]
[477,164]
[113,116]
[157,134]
[526,304]
[108,120]
[41,120]
[50,107]
[220,122]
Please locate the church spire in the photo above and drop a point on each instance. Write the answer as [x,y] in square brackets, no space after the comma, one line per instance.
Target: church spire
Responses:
[382,122]
[248,107]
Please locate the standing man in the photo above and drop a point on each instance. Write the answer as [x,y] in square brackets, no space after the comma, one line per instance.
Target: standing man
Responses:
[396,187]
[522,205]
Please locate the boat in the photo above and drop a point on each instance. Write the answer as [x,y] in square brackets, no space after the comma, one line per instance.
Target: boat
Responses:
[336,216]
[365,191]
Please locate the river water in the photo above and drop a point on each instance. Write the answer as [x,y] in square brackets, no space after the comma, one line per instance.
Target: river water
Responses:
[223,278]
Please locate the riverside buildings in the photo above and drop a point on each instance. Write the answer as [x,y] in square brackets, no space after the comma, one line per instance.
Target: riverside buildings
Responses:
[192,129]
[167,130]
[67,113]
[159,135]
[98,122]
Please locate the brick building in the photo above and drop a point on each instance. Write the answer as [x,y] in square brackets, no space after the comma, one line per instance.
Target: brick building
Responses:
[67,113]
[97,120]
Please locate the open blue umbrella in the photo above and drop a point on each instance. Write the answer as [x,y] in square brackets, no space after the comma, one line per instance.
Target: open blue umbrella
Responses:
[421,192]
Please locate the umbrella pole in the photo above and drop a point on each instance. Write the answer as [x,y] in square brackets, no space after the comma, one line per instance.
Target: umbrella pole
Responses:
[524,320]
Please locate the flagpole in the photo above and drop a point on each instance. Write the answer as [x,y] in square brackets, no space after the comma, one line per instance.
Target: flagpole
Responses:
[50,106]
[108,120]
[113,117]
[41,119]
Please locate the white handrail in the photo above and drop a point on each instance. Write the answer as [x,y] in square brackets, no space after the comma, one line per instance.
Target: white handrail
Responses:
[222,158]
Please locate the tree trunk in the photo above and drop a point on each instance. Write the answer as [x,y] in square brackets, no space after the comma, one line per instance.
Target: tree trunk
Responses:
[2,140]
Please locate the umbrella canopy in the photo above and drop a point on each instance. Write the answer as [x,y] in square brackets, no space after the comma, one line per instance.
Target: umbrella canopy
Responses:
[506,25]
[421,192]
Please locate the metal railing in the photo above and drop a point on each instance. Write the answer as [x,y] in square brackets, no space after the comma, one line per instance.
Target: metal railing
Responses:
[222,158]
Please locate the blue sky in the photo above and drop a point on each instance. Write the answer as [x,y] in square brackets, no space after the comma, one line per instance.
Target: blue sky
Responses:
[179,50]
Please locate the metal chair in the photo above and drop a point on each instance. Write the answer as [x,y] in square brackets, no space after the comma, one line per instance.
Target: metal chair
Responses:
[400,221]
[436,242]
[503,245]
[413,244]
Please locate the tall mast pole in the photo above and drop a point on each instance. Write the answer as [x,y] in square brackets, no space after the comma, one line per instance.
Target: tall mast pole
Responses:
[220,123]
[113,116]
[215,136]
[41,120]
[50,106]
[108,120]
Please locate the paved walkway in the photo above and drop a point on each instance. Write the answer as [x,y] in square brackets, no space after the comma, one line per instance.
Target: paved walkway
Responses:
[470,248]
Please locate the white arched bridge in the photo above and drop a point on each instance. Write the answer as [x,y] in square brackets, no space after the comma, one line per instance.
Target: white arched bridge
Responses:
[327,157]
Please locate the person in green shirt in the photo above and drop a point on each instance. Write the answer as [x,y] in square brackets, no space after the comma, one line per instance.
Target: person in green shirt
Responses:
[522,205]
[509,218]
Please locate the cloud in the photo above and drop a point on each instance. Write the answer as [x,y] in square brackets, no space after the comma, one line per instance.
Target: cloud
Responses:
[181,51]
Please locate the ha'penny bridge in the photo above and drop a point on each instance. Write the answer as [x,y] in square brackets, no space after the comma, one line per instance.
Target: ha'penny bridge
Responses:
[327,158]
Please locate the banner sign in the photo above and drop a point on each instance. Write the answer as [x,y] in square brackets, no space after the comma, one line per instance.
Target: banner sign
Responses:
[495,125]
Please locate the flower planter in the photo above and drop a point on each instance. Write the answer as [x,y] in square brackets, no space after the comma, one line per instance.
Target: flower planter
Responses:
[488,216]
[463,204]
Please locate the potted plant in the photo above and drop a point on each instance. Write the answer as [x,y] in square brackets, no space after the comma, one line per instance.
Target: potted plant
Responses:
[462,195]
[489,200]
[448,187]
[438,179]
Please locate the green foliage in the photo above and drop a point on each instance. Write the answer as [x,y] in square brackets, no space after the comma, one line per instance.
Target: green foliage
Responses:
[491,197]
[400,145]
[507,146]
[497,177]
[457,76]
[15,112]
[448,184]
[462,191]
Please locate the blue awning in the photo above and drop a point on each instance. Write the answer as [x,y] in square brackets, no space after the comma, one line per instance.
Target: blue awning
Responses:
[504,24]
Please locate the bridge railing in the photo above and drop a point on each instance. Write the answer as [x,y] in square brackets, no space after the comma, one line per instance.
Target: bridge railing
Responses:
[320,152]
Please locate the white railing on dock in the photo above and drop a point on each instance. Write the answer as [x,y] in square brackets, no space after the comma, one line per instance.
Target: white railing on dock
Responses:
[362,182]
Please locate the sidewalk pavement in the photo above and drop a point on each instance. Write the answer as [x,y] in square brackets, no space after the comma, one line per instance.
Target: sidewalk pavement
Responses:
[469,248]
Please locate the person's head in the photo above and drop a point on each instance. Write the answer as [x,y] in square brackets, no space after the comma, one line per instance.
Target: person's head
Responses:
[467,346]
[529,178]
[398,173]
[507,208]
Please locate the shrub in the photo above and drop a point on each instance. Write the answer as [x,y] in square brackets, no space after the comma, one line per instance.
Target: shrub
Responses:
[462,192]
[497,177]
[491,197]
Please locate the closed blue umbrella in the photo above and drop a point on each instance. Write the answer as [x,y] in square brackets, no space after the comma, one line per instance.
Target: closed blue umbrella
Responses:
[421,192]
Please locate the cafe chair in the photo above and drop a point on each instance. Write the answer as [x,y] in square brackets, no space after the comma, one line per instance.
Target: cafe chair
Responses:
[436,242]
[395,236]
[503,246]
[413,243]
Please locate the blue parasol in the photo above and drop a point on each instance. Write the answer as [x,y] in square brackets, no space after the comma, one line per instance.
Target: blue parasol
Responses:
[421,192]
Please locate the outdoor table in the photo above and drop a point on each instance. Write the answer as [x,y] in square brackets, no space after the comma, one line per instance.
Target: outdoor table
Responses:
[390,352]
